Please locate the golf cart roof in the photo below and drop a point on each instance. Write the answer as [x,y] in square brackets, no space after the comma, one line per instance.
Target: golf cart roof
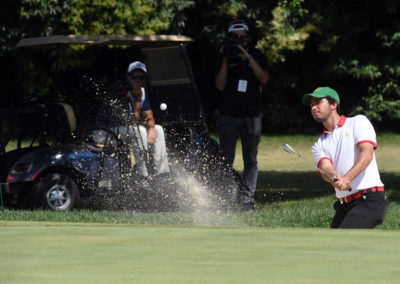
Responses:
[51,41]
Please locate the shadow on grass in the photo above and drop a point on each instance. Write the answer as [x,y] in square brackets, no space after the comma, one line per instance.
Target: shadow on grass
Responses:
[281,186]
[392,185]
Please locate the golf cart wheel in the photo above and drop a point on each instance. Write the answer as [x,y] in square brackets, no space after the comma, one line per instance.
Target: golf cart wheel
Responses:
[55,192]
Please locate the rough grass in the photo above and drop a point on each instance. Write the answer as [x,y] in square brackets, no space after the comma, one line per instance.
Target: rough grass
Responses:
[289,194]
[277,209]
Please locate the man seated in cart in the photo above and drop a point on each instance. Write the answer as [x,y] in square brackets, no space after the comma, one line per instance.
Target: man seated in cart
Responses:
[128,107]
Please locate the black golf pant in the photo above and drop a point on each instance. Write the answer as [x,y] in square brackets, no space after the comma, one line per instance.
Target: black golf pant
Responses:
[366,212]
[249,130]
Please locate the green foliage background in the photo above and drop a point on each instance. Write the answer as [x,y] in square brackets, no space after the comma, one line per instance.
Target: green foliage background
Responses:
[352,46]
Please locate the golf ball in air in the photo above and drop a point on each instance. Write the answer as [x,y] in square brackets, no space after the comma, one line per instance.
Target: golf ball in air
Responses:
[163,106]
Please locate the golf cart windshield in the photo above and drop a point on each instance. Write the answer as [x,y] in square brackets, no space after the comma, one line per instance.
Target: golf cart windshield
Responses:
[168,65]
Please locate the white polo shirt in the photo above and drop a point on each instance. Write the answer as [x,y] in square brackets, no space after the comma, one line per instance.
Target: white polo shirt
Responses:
[340,147]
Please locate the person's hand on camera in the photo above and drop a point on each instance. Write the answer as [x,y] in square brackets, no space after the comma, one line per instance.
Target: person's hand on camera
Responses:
[243,54]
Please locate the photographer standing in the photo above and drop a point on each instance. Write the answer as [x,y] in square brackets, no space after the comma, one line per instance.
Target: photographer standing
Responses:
[241,74]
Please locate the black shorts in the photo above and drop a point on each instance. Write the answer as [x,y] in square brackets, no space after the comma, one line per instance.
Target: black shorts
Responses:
[366,212]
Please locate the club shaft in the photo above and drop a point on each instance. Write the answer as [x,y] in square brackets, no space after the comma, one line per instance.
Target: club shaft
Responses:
[319,169]
[287,148]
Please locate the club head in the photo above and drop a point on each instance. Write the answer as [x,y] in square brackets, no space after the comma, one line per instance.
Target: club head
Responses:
[288,149]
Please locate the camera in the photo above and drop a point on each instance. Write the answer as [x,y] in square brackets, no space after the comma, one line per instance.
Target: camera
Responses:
[231,51]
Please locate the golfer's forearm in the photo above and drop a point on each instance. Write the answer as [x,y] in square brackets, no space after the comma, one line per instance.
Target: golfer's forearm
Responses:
[365,157]
[327,167]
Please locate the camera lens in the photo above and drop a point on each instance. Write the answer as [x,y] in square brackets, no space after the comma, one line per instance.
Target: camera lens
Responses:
[231,50]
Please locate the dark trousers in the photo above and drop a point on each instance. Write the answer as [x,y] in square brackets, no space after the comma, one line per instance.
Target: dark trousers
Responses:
[249,130]
[366,212]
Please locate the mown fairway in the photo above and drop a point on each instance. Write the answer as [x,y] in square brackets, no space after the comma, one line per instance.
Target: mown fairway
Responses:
[94,253]
[285,241]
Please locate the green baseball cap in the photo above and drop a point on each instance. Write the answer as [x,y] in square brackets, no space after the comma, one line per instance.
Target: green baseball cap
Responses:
[321,92]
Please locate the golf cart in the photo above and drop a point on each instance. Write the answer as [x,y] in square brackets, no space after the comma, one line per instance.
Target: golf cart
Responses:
[63,159]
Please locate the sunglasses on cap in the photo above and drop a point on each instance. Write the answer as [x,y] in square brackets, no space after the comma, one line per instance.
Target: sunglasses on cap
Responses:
[140,77]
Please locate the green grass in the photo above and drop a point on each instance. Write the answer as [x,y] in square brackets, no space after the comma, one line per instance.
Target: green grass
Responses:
[275,209]
[272,158]
[93,253]
[12,145]
[285,241]
[289,194]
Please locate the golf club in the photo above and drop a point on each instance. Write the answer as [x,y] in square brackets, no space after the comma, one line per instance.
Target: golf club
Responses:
[290,150]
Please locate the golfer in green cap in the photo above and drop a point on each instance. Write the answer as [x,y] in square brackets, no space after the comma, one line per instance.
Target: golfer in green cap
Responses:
[345,150]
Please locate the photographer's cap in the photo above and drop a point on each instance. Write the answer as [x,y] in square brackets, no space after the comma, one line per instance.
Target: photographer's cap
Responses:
[321,92]
[137,65]
[238,25]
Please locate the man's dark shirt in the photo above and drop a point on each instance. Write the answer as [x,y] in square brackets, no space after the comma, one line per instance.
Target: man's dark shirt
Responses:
[119,108]
[244,100]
